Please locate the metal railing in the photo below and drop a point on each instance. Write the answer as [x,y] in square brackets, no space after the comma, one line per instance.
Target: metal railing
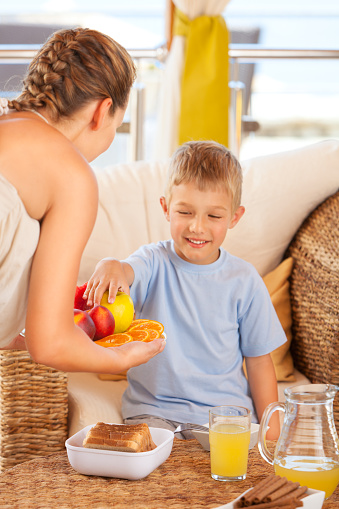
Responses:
[238,53]
[241,53]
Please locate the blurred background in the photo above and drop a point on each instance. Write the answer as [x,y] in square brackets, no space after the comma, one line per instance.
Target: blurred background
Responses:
[294,102]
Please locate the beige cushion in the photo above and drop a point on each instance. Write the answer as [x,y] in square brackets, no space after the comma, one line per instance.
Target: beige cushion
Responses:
[278,286]
[91,400]
[279,192]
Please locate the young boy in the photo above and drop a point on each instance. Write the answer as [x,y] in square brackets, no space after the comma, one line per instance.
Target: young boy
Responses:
[215,307]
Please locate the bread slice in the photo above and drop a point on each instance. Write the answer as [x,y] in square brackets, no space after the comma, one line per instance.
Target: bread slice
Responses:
[120,437]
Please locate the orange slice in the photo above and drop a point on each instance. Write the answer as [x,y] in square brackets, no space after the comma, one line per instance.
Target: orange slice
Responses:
[152,334]
[139,335]
[147,324]
[115,340]
[138,321]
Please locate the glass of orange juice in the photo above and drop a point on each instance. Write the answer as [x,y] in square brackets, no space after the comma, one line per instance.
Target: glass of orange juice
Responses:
[229,437]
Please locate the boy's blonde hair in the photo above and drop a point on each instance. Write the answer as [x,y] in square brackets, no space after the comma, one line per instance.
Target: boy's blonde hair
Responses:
[207,164]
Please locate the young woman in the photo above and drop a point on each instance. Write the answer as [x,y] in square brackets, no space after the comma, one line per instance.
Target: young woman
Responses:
[74,97]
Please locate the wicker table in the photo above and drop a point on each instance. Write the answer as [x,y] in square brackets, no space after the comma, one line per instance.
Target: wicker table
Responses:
[182,481]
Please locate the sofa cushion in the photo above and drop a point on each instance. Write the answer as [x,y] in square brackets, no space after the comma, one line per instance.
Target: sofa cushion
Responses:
[279,192]
[90,400]
[278,286]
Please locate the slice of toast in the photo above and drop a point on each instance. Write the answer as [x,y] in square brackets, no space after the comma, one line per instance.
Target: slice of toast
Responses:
[120,437]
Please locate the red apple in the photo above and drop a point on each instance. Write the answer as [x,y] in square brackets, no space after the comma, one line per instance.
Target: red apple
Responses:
[79,302]
[103,320]
[85,322]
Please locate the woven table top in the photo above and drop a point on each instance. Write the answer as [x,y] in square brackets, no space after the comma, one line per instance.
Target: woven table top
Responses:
[183,481]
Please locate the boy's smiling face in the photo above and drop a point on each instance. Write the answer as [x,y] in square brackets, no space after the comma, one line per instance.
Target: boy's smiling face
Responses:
[199,221]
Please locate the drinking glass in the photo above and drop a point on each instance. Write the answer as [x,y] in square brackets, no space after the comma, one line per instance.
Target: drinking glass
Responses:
[229,437]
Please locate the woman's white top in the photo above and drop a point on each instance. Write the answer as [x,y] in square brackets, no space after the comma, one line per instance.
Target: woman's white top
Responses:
[19,237]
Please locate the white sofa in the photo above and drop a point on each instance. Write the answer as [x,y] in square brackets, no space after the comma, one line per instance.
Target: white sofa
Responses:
[279,192]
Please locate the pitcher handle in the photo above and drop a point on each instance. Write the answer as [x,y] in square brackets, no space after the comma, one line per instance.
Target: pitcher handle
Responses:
[265,453]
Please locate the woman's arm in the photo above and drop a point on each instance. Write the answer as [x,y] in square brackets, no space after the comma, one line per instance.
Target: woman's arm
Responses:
[71,195]
[264,389]
[112,275]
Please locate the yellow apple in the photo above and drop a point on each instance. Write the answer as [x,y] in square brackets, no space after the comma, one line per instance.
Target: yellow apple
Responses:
[122,309]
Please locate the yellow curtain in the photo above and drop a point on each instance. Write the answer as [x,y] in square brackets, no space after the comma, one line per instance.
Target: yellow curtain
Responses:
[205,94]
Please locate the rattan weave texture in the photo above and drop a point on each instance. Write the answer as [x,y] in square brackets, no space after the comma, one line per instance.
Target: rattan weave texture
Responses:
[33,409]
[183,481]
[314,288]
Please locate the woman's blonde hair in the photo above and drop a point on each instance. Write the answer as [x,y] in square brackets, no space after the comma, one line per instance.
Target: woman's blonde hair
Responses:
[73,67]
[208,165]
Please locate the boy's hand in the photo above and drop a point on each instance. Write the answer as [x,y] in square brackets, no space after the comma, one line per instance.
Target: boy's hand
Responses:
[139,352]
[109,275]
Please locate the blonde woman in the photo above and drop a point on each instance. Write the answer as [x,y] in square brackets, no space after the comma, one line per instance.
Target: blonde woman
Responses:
[74,97]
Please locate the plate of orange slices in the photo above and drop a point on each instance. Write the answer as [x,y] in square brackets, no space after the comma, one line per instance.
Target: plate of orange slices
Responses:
[139,330]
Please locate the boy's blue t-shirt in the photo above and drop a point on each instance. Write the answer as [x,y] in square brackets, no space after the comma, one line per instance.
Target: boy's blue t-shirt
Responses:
[213,316]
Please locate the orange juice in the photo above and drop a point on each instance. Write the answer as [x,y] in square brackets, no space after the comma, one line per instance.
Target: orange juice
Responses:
[316,473]
[229,449]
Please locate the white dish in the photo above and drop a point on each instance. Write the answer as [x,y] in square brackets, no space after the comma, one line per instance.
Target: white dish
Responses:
[202,436]
[314,500]
[124,465]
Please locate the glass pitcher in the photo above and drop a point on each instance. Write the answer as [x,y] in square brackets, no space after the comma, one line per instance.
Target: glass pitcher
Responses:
[308,448]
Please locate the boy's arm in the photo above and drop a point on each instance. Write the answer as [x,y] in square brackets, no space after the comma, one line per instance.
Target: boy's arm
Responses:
[109,274]
[264,389]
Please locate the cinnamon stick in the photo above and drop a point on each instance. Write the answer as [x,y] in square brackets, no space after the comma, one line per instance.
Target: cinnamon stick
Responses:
[273,492]
[239,503]
[293,502]
[287,506]
[250,496]
[245,500]
[303,494]
[284,490]
[296,495]
[276,484]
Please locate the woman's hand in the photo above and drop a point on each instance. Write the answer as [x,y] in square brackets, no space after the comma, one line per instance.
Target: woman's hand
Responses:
[112,275]
[139,352]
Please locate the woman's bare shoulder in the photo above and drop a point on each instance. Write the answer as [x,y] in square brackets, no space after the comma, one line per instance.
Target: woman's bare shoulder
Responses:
[43,165]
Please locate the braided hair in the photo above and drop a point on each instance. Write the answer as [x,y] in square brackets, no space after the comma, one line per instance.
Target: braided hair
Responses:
[74,67]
